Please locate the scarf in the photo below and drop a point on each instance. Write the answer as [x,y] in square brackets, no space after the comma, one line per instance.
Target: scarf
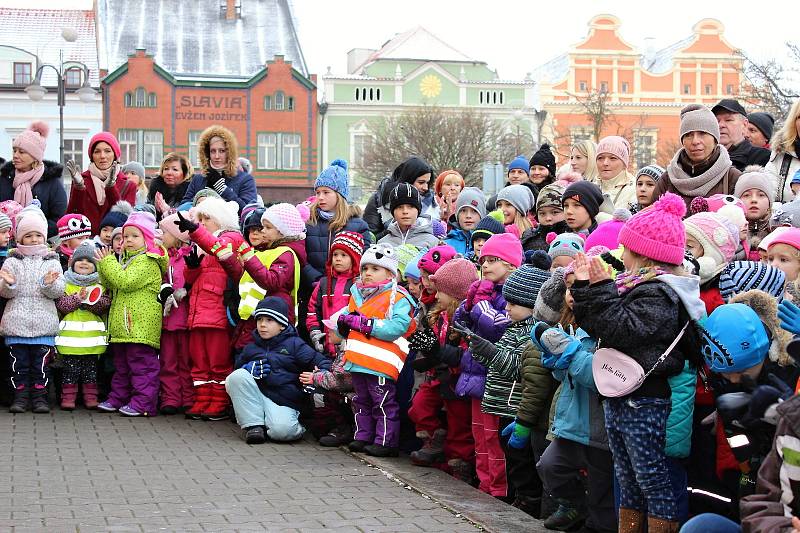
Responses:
[24,182]
[33,250]
[614,186]
[628,280]
[81,280]
[702,183]
[367,290]
[99,178]
[66,250]
[325,215]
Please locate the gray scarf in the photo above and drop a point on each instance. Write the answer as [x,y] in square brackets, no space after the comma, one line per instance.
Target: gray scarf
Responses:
[702,184]
[81,280]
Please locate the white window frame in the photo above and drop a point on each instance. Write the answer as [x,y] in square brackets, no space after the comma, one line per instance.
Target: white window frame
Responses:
[193,143]
[291,152]
[73,149]
[267,151]
[128,142]
[153,147]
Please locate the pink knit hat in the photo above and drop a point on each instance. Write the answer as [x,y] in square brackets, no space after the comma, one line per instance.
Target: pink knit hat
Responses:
[455,277]
[791,237]
[719,238]
[607,233]
[615,145]
[33,140]
[286,219]
[146,223]
[168,225]
[657,232]
[506,246]
[105,137]
[74,225]
[435,257]
[30,219]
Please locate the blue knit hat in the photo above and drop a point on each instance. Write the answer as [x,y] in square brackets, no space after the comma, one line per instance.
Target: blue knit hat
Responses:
[735,339]
[522,286]
[488,226]
[520,162]
[742,276]
[117,216]
[335,177]
[274,308]
[412,267]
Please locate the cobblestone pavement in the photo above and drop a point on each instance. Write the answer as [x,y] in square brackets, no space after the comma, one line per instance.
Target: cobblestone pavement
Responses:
[85,471]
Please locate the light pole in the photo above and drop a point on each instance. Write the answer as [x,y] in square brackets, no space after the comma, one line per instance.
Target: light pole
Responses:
[36,91]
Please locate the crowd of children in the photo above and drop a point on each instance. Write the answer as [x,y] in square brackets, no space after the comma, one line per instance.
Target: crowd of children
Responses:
[597,356]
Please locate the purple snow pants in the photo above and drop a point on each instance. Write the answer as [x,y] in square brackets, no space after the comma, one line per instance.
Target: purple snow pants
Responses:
[135,381]
[377,413]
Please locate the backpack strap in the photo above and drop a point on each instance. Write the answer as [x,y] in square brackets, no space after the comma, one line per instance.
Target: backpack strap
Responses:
[784,173]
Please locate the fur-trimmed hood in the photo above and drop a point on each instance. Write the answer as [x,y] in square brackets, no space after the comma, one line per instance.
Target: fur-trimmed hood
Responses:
[776,143]
[203,144]
[766,307]
[51,170]
[225,213]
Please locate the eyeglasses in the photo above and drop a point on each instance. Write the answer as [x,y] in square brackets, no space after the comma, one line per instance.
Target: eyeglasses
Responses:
[490,260]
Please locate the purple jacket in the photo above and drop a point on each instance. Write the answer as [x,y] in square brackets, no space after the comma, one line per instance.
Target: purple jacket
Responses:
[490,322]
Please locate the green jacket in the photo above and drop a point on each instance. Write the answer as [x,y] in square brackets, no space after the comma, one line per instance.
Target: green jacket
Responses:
[538,387]
[135,315]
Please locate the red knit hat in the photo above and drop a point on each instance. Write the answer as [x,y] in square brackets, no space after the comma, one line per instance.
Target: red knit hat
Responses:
[349,242]
[455,277]
[657,232]
[105,137]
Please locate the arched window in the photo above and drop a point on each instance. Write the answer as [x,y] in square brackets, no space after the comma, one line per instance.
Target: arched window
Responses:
[279,101]
[141,95]
[128,99]
[151,100]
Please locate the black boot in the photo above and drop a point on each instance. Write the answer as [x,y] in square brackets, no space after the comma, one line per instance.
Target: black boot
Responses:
[21,401]
[39,401]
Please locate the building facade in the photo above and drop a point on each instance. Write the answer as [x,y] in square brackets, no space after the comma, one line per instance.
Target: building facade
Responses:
[642,91]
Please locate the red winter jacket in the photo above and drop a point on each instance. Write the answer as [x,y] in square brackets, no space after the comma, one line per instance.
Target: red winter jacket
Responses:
[84,201]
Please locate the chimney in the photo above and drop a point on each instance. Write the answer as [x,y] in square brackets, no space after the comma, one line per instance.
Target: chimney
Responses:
[233,9]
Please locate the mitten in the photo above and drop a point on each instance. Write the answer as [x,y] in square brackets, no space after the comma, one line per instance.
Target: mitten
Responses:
[317,339]
[165,292]
[483,292]
[222,252]
[423,340]
[185,224]
[357,322]
[179,294]
[519,435]
[789,315]
[245,251]
[763,396]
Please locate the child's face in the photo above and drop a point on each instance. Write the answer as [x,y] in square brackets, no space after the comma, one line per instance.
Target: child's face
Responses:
[568,299]
[209,223]
[468,218]
[736,377]
[451,186]
[547,216]
[170,241]
[694,247]
[495,269]
[116,243]
[133,176]
[756,204]
[509,212]
[72,243]
[132,239]
[426,281]
[631,261]
[785,258]
[256,236]
[270,232]
[414,287]
[644,190]
[267,328]
[795,188]
[477,244]
[83,267]
[5,236]
[576,216]
[443,299]
[341,262]
[105,234]
[560,261]
[518,312]
[405,215]
[375,274]
[539,174]
[327,198]
[32,238]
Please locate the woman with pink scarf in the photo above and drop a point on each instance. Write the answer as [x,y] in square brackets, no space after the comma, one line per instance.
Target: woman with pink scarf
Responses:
[95,191]
[28,177]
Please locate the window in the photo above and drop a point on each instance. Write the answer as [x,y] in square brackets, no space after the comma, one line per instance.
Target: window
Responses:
[687,89]
[129,145]
[73,77]
[128,99]
[73,149]
[368,94]
[153,148]
[279,101]
[625,87]
[603,87]
[580,134]
[194,155]
[290,104]
[291,151]
[268,102]
[582,85]
[644,145]
[361,145]
[491,97]
[708,88]
[141,94]
[729,89]
[22,74]
[278,151]
[151,100]
[267,151]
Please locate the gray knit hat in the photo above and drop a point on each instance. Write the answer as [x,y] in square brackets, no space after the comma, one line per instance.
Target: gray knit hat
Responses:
[519,196]
[653,172]
[85,250]
[756,179]
[697,117]
[382,255]
[551,298]
[787,214]
[523,285]
[5,222]
[471,197]
[135,167]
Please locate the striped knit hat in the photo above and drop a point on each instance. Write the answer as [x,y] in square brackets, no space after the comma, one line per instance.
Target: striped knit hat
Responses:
[5,222]
[522,286]
[274,308]
[742,276]
[351,243]
[74,225]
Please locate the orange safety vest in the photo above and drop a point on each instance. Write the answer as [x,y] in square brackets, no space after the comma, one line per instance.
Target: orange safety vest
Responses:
[386,357]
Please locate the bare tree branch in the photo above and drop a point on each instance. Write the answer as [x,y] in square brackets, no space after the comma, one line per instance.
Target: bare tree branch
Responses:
[766,84]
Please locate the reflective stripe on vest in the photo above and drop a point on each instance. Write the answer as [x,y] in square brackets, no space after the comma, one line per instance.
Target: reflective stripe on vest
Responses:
[249,291]
[81,332]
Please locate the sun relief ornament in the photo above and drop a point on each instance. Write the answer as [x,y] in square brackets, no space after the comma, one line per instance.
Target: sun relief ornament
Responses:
[430,86]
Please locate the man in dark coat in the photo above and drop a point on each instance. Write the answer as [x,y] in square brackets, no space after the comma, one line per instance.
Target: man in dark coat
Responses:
[732,119]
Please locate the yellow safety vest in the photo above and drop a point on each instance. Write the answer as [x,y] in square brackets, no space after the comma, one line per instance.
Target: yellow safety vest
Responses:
[81,332]
[249,291]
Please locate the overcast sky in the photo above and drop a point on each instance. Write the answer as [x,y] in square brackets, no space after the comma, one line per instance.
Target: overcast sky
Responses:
[513,36]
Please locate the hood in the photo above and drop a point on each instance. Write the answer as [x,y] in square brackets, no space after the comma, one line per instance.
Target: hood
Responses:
[51,170]
[277,340]
[231,169]
[766,307]
[688,290]
[776,144]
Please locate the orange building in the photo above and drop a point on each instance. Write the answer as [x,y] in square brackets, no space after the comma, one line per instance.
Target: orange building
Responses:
[642,92]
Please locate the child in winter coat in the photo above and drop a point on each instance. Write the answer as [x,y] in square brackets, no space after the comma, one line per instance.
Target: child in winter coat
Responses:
[491,224]
[564,248]
[430,262]
[470,209]
[72,230]
[641,315]
[413,277]
[379,313]
[581,201]
[31,279]
[515,201]
[134,322]
[209,334]
[484,313]
[6,233]
[712,240]
[784,253]
[503,390]
[439,351]
[756,188]
[408,227]
[265,387]
[177,391]
[550,214]
[114,219]
[82,335]
[645,181]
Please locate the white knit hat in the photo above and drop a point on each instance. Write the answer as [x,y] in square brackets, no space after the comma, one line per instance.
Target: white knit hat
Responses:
[225,213]
[382,255]
[286,219]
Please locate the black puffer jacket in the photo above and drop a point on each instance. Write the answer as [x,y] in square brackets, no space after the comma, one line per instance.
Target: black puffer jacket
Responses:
[49,191]
[536,238]
[172,195]
[744,154]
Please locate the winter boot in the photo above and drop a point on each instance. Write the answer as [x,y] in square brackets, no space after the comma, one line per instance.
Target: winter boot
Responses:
[530,506]
[336,437]
[632,521]
[432,451]
[218,406]
[659,525]
[69,392]
[255,435]
[566,517]
[21,400]
[378,450]
[202,397]
[39,400]
[358,446]
[90,395]
[462,470]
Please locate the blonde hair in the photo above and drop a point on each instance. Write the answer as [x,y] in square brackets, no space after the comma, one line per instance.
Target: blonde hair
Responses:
[783,139]
[521,222]
[588,150]
[186,165]
[342,214]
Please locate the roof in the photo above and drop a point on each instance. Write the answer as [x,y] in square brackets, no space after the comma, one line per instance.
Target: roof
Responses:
[418,44]
[41,35]
[554,70]
[662,60]
[193,37]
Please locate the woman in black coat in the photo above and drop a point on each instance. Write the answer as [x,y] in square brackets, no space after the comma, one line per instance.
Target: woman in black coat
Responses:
[167,190]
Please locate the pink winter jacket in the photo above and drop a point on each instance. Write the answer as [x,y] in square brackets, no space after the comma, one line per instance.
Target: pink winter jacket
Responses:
[178,318]
[324,303]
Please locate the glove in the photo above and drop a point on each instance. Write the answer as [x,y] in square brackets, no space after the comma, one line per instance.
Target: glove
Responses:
[258,369]
[164,293]
[423,341]
[192,259]
[555,340]
[763,397]
[480,346]
[520,435]
[317,339]
[170,304]
[75,173]
[111,180]
[216,180]
[484,290]
[789,315]
[245,252]
[179,294]
[222,252]
[185,224]
[357,322]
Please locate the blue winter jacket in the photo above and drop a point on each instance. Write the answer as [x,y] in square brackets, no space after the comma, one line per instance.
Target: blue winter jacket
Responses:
[287,356]
[241,189]
[49,191]
[318,242]
[460,240]
[679,422]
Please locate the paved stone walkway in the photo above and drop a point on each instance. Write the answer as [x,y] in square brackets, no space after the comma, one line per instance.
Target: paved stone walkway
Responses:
[85,472]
